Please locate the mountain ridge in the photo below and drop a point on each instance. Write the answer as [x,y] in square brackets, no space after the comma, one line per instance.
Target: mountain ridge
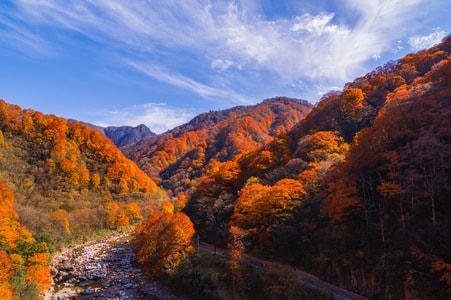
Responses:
[48,157]
[127,135]
[349,189]
[353,188]
[123,135]
[182,154]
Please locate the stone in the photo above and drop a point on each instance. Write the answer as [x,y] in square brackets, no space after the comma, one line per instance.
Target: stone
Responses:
[106,269]
[65,294]
[129,285]
[87,292]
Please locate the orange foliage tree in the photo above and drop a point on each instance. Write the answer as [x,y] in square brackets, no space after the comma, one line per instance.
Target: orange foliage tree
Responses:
[343,198]
[38,270]
[261,209]
[163,242]
[22,251]
[10,229]
[6,272]
[236,247]
[117,216]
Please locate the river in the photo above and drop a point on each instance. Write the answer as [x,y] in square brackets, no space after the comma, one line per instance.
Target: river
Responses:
[103,269]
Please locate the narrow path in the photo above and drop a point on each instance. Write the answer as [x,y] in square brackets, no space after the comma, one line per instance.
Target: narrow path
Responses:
[105,269]
[304,277]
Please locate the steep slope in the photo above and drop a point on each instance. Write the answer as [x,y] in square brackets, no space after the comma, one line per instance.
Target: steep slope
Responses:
[389,201]
[24,270]
[359,188]
[180,156]
[68,180]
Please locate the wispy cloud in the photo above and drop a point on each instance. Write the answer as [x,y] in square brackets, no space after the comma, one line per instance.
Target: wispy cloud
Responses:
[193,45]
[159,117]
[419,42]
[21,37]
[189,84]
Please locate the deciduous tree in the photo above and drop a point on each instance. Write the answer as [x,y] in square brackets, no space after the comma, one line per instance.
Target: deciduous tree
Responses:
[163,242]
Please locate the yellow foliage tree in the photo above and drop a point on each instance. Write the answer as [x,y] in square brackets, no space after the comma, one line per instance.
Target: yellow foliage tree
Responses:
[168,207]
[352,103]
[95,181]
[133,212]
[60,218]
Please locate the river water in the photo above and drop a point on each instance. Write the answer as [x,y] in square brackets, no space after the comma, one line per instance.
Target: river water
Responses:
[105,269]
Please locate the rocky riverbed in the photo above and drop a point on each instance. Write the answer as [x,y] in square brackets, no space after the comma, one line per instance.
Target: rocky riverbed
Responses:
[105,269]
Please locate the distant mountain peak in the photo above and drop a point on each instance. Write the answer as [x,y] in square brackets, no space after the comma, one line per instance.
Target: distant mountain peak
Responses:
[283,99]
[127,135]
[123,135]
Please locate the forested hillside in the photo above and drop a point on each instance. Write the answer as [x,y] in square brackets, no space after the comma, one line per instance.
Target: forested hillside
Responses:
[355,190]
[24,269]
[68,179]
[358,192]
[177,158]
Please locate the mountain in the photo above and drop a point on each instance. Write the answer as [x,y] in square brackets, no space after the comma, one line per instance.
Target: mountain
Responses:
[61,181]
[123,135]
[63,171]
[357,192]
[127,135]
[180,156]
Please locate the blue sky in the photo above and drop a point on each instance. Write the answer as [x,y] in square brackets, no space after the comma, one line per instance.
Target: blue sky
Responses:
[115,62]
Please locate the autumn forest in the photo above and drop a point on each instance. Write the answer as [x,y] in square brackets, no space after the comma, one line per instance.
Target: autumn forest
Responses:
[355,190]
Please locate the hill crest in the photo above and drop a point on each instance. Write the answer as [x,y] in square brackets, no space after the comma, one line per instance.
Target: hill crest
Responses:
[180,156]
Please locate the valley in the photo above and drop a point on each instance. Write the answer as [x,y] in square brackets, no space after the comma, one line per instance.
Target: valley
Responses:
[103,269]
[354,191]
[108,269]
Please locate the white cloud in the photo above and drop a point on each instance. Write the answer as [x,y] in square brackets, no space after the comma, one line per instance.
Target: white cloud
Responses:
[208,38]
[157,116]
[341,52]
[397,47]
[420,42]
[189,84]
[316,25]
[316,47]
[221,64]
